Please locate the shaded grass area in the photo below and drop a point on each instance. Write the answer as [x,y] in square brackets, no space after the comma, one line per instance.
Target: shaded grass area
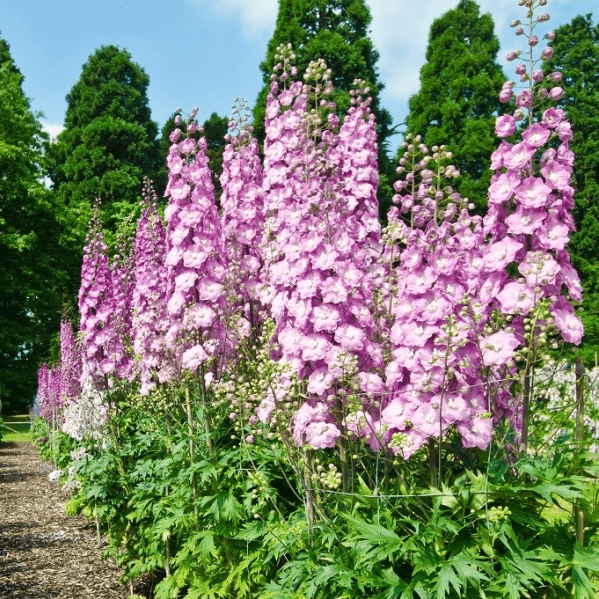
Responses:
[17,429]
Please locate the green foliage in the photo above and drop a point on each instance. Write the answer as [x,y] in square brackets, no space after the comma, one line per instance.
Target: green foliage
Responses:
[31,273]
[109,143]
[576,56]
[338,32]
[458,98]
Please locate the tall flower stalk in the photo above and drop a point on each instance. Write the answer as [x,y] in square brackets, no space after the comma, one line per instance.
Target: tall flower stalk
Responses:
[530,213]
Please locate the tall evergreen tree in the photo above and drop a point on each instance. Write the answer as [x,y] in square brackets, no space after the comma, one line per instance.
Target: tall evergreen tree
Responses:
[576,56]
[30,271]
[109,142]
[458,97]
[336,31]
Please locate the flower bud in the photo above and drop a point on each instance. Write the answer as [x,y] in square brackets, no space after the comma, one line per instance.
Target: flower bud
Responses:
[533,40]
[550,35]
[557,93]
[521,69]
[542,94]
[505,95]
[555,76]
[538,76]
[512,55]
[547,53]
[515,23]
[519,31]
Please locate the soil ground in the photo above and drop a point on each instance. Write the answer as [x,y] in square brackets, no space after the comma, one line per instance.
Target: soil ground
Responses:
[44,554]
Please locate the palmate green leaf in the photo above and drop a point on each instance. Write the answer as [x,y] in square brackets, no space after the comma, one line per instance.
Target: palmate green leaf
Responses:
[581,585]
[586,557]
[547,490]
[447,576]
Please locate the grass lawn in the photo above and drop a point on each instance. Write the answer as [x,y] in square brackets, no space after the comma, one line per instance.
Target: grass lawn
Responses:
[20,432]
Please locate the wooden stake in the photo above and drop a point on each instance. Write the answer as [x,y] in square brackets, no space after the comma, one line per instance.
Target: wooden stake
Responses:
[578,512]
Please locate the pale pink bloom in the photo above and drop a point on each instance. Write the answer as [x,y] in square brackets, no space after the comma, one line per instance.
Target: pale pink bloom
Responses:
[322,435]
[325,317]
[415,335]
[556,174]
[174,163]
[524,99]
[503,186]
[180,235]
[566,321]
[350,337]
[370,382]
[505,125]
[290,340]
[454,409]
[334,291]
[201,315]
[398,412]
[193,357]
[476,433]
[319,381]
[307,286]
[176,303]
[306,415]
[519,156]
[516,298]
[193,257]
[362,314]
[525,221]
[426,420]
[564,131]
[539,268]
[314,347]
[420,280]
[553,235]
[552,117]
[501,253]
[433,307]
[352,276]
[209,290]
[265,409]
[180,190]
[325,258]
[300,309]
[572,280]
[185,281]
[311,242]
[189,216]
[498,156]
[498,349]
[533,193]
[565,154]
[394,373]
[187,145]
[536,136]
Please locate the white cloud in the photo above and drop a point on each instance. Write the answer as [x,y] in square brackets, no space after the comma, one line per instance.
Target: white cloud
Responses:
[52,129]
[255,16]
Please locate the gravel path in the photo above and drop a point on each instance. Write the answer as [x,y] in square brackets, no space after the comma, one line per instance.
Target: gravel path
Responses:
[43,553]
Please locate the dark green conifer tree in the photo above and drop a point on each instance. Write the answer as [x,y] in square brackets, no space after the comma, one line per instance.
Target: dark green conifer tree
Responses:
[109,142]
[31,275]
[576,56]
[458,98]
[338,32]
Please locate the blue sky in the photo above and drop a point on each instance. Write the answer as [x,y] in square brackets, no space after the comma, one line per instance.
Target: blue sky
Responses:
[207,52]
